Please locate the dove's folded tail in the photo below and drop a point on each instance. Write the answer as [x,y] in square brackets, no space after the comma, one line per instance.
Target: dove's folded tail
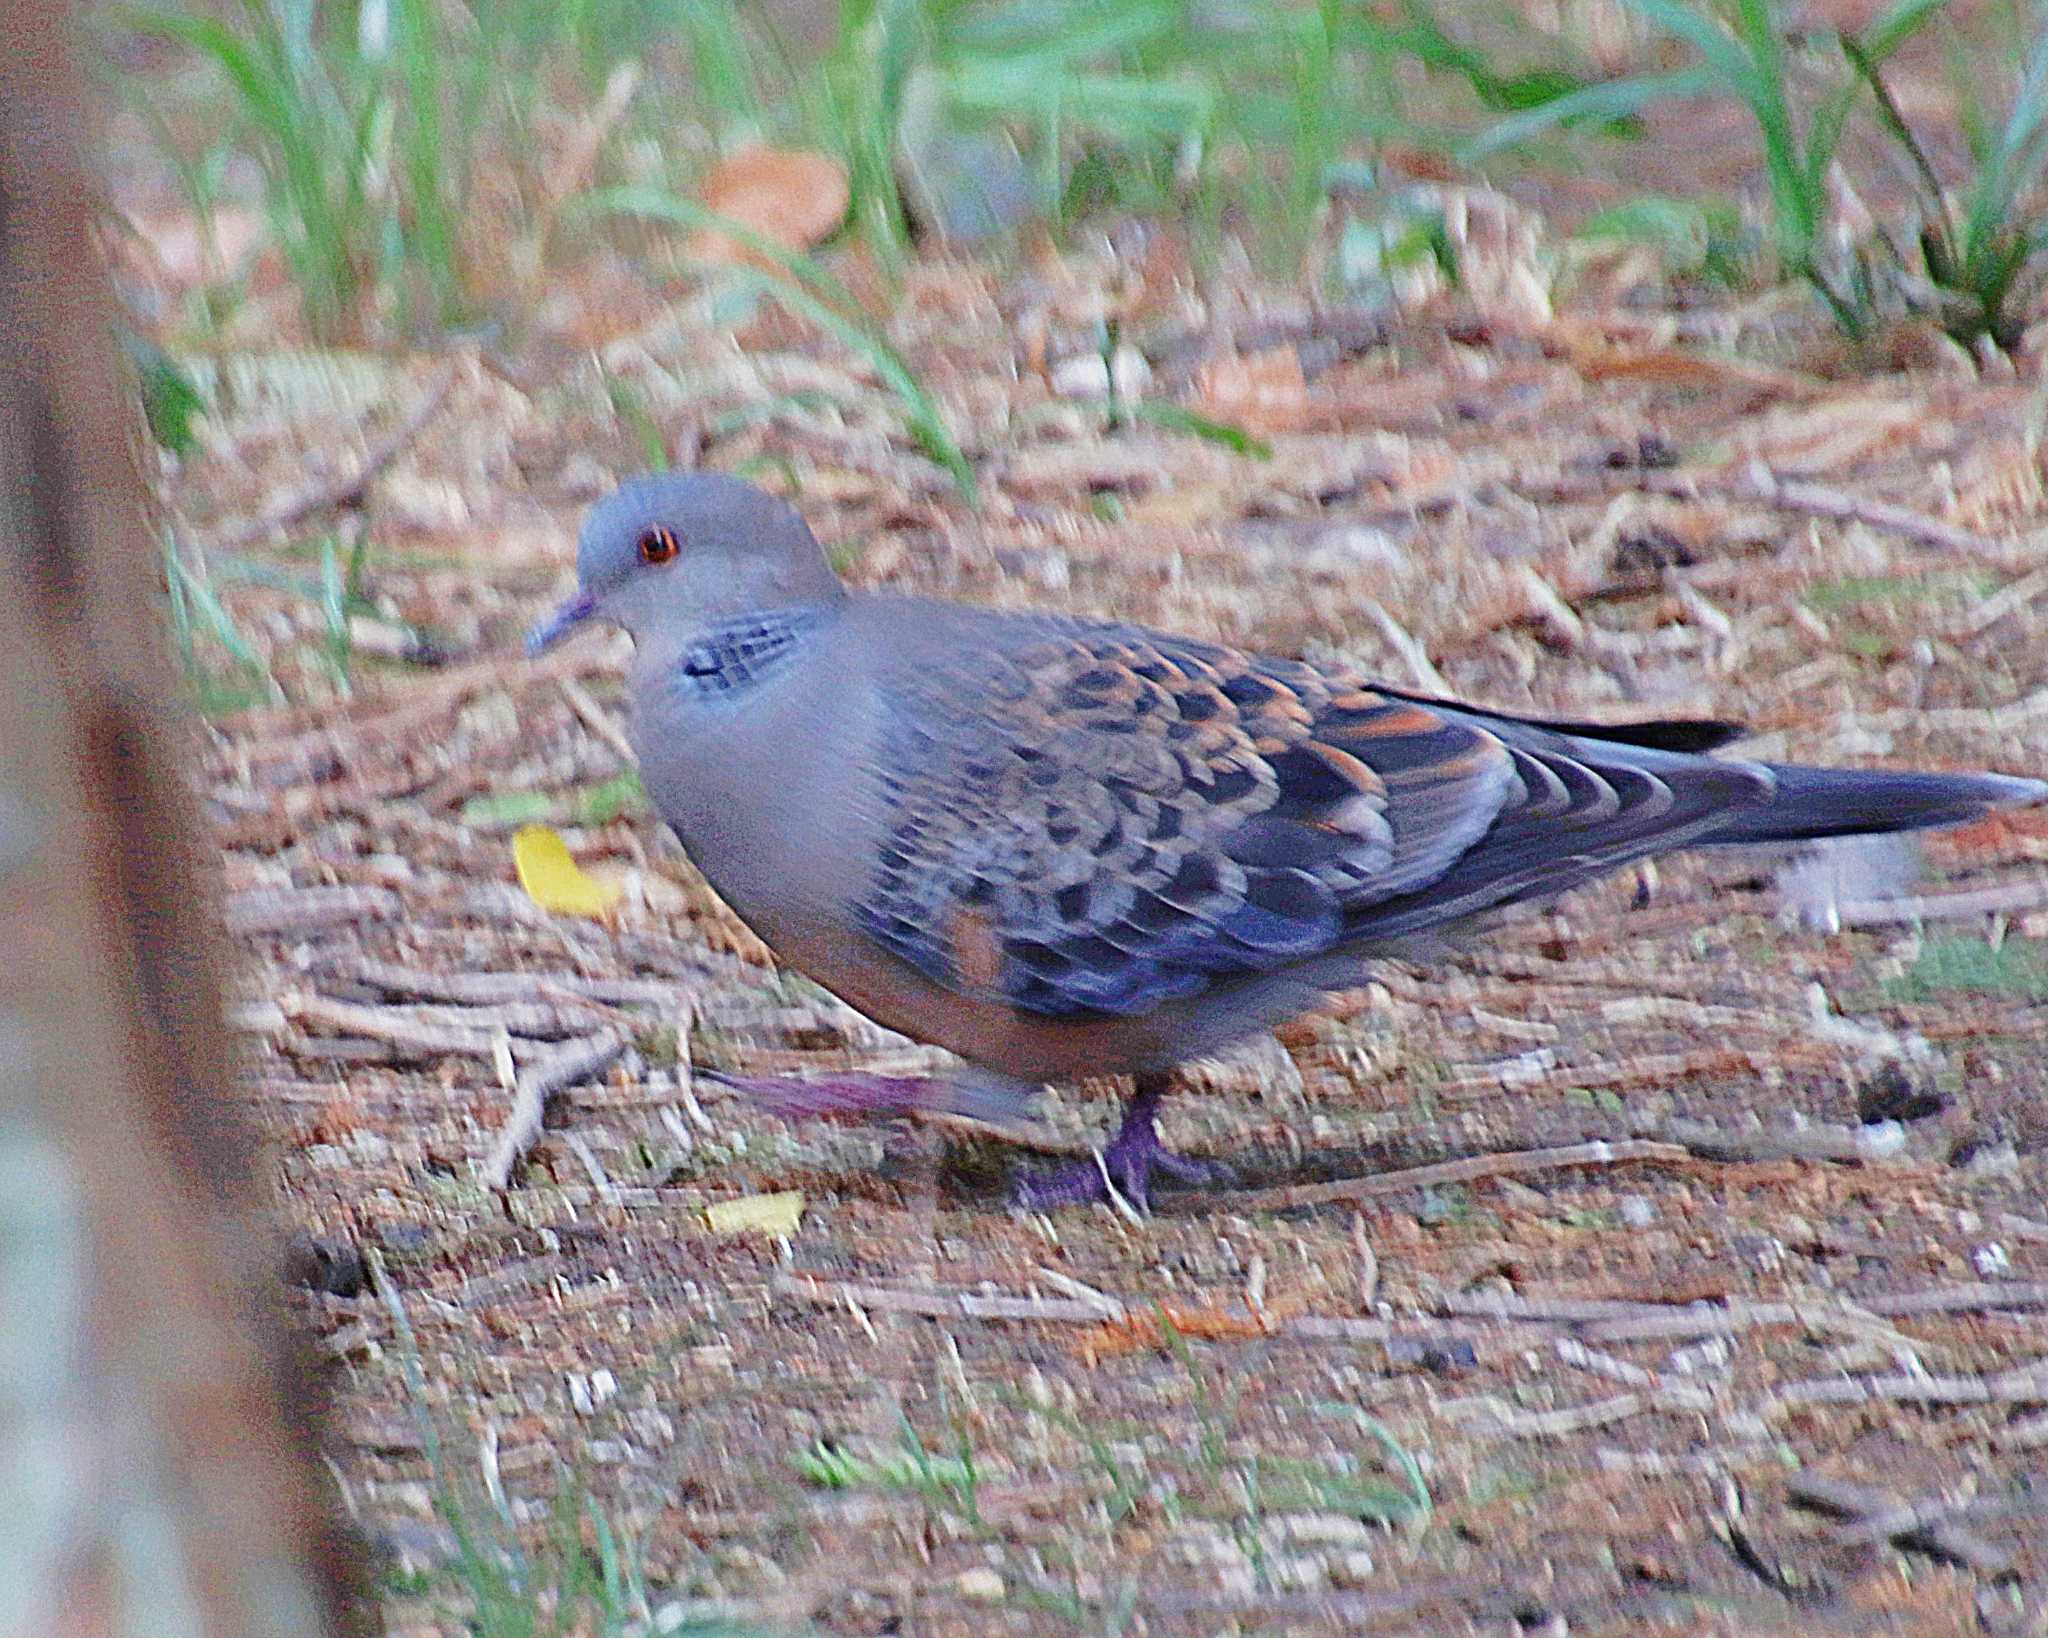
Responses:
[1810,803]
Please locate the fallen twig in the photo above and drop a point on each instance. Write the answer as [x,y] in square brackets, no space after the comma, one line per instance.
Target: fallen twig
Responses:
[1820,1141]
[2022,1387]
[1930,1525]
[326,497]
[1514,1163]
[291,912]
[1521,1424]
[402,1027]
[494,989]
[600,723]
[538,1082]
[1757,484]
[2009,898]
[937,1303]
[1701,1319]
[1413,655]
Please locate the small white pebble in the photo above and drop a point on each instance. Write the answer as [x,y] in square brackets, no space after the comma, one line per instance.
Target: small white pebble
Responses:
[1086,375]
[1990,1261]
[981,1584]
[1353,1569]
[1637,1212]
[1700,1358]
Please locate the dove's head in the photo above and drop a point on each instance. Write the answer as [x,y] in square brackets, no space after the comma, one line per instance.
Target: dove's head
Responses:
[687,550]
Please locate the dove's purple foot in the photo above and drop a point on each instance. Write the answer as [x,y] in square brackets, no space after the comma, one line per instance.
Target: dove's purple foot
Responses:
[1134,1157]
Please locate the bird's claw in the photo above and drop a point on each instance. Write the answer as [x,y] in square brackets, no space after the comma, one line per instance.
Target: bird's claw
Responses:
[1125,1169]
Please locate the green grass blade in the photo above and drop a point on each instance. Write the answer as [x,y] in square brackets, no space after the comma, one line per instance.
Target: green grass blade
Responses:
[199,595]
[1178,418]
[1898,25]
[431,237]
[334,609]
[1699,30]
[290,121]
[2014,160]
[1614,99]
[1420,1508]
[718,61]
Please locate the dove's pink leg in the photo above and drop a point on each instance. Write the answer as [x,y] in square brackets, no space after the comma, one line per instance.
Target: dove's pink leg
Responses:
[1133,1157]
[854,1096]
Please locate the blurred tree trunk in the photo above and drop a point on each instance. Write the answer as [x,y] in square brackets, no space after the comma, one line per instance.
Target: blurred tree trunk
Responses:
[157,1466]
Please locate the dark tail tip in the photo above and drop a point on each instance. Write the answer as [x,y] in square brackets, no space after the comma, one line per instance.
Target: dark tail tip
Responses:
[1810,803]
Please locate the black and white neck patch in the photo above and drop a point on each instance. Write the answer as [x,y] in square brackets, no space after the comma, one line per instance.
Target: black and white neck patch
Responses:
[731,659]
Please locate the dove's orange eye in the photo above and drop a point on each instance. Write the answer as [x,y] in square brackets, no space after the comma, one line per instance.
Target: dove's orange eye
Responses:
[658,545]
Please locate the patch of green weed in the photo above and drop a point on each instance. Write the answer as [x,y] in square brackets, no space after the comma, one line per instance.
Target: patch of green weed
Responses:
[1948,965]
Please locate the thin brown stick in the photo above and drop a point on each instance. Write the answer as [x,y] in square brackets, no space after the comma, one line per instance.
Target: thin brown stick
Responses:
[1702,1320]
[400,1026]
[1516,1163]
[485,989]
[347,491]
[1758,484]
[1821,1141]
[296,911]
[2007,899]
[938,1304]
[599,721]
[2030,1388]
[538,1082]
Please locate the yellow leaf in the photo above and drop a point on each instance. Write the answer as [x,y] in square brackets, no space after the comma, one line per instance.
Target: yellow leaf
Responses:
[553,880]
[757,1214]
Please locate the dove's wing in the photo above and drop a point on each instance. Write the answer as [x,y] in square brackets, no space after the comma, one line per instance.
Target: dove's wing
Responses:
[1094,820]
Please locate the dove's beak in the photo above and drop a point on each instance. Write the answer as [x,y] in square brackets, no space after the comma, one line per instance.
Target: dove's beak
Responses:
[559,624]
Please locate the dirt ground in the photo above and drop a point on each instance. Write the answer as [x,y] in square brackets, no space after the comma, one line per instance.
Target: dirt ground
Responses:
[1770,1360]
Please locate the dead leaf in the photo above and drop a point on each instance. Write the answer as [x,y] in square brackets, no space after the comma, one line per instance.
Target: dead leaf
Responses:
[757,1214]
[1186,506]
[1258,392]
[792,197]
[1673,367]
[1143,1329]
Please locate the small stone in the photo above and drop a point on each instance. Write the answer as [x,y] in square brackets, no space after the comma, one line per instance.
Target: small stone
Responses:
[588,1393]
[1087,375]
[335,1268]
[1443,1355]
[1636,1212]
[1990,1261]
[405,1240]
[1297,1572]
[1353,547]
[980,1584]
[1316,1530]
[1352,1569]
[1700,1358]
[755,1566]
[1987,1159]
[430,505]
